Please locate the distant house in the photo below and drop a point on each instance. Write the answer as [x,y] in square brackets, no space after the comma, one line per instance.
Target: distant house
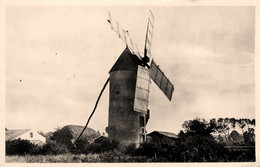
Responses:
[24,134]
[99,139]
[161,135]
[68,134]
[235,137]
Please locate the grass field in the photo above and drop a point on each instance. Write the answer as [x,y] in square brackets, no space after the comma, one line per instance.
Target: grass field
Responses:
[112,156]
[70,158]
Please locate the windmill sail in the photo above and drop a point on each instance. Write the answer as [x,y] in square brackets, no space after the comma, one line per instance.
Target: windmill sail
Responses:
[149,35]
[142,90]
[124,35]
[161,80]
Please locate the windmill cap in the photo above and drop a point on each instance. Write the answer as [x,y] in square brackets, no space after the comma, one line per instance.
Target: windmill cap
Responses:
[126,61]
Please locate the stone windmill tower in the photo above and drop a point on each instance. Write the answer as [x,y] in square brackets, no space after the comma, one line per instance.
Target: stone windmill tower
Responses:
[129,87]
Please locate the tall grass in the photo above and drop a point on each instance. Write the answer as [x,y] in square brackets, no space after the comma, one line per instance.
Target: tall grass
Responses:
[70,158]
[65,158]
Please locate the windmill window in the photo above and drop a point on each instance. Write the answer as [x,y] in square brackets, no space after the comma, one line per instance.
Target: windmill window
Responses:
[117,92]
[31,135]
[141,119]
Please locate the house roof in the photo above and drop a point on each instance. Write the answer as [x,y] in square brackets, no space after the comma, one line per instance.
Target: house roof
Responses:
[126,61]
[100,138]
[69,133]
[167,134]
[75,130]
[11,134]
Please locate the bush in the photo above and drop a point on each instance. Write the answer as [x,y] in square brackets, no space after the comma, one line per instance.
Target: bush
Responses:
[198,148]
[158,149]
[241,155]
[21,147]
[130,149]
[80,146]
[146,149]
[103,146]
[53,148]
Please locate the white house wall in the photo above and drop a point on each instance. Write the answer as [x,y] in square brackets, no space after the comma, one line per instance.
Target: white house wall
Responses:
[36,136]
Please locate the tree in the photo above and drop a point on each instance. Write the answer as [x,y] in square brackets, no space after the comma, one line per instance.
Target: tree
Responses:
[253,122]
[197,144]
[98,133]
[199,126]
[220,120]
[233,122]
[241,124]
[54,134]
[249,137]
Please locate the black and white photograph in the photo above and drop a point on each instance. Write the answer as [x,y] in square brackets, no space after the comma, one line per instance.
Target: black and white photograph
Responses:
[130,84]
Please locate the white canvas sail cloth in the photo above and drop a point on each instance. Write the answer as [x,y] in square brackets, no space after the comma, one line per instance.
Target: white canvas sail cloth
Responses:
[142,90]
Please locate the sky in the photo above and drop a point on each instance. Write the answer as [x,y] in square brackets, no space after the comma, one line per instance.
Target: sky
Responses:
[58,59]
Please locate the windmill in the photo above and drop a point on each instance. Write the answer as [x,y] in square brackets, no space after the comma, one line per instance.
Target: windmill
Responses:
[129,87]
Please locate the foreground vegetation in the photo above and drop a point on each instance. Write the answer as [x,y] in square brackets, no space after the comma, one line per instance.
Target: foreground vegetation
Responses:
[195,144]
[72,158]
[146,153]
